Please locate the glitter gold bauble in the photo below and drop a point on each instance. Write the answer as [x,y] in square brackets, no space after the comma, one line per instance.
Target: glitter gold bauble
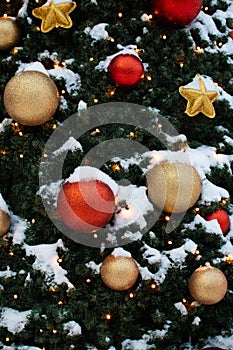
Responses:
[4,222]
[9,33]
[208,285]
[119,272]
[173,187]
[31,98]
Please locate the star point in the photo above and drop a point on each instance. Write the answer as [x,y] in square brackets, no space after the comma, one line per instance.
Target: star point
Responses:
[55,15]
[199,101]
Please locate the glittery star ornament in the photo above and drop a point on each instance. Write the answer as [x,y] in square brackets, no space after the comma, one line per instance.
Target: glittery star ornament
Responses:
[199,100]
[55,15]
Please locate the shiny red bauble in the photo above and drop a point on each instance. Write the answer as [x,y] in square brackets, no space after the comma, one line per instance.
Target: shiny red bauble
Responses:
[231,35]
[223,219]
[126,70]
[86,206]
[176,12]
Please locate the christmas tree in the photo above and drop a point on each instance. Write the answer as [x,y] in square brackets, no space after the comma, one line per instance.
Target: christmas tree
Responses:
[116,150]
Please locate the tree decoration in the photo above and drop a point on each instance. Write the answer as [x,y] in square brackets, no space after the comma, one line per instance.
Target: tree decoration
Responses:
[4,222]
[126,70]
[223,219]
[176,12]
[119,272]
[199,100]
[31,98]
[208,285]
[9,33]
[55,15]
[86,206]
[173,187]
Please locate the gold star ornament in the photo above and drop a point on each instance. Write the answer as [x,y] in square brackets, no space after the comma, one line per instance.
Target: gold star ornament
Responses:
[199,100]
[55,15]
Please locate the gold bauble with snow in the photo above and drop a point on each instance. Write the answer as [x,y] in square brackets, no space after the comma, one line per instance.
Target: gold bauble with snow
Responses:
[31,98]
[173,187]
[208,285]
[119,272]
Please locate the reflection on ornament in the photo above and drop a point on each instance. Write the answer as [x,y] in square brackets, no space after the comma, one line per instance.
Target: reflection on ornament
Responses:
[126,70]
[4,222]
[55,15]
[119,272]
[9,33]
[173,187]
[31,98]
[199,101]
[208,285]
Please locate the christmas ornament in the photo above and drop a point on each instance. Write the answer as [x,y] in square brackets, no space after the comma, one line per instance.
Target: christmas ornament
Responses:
[177,12]
[4,222]
[31,98]
[9,33]
[119,272]
[126,70]
[223,219]
[208,285]
[199,100]
[173,187]
[55,15]
[86,206]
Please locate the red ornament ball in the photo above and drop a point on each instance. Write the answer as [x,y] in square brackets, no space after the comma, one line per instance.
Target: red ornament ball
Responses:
[231,35]
[223,219]
[177,12]
[86,206]
[126,70]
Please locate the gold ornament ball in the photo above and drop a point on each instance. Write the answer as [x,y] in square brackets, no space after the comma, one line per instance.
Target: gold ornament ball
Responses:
[9,33]
[208,285]
[4,222]
[119,272]
[173,187]
[31,98]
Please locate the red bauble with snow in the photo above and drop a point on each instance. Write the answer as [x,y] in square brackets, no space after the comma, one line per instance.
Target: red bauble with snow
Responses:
[223,219]
[126,70]
[176,12]
[86,206]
